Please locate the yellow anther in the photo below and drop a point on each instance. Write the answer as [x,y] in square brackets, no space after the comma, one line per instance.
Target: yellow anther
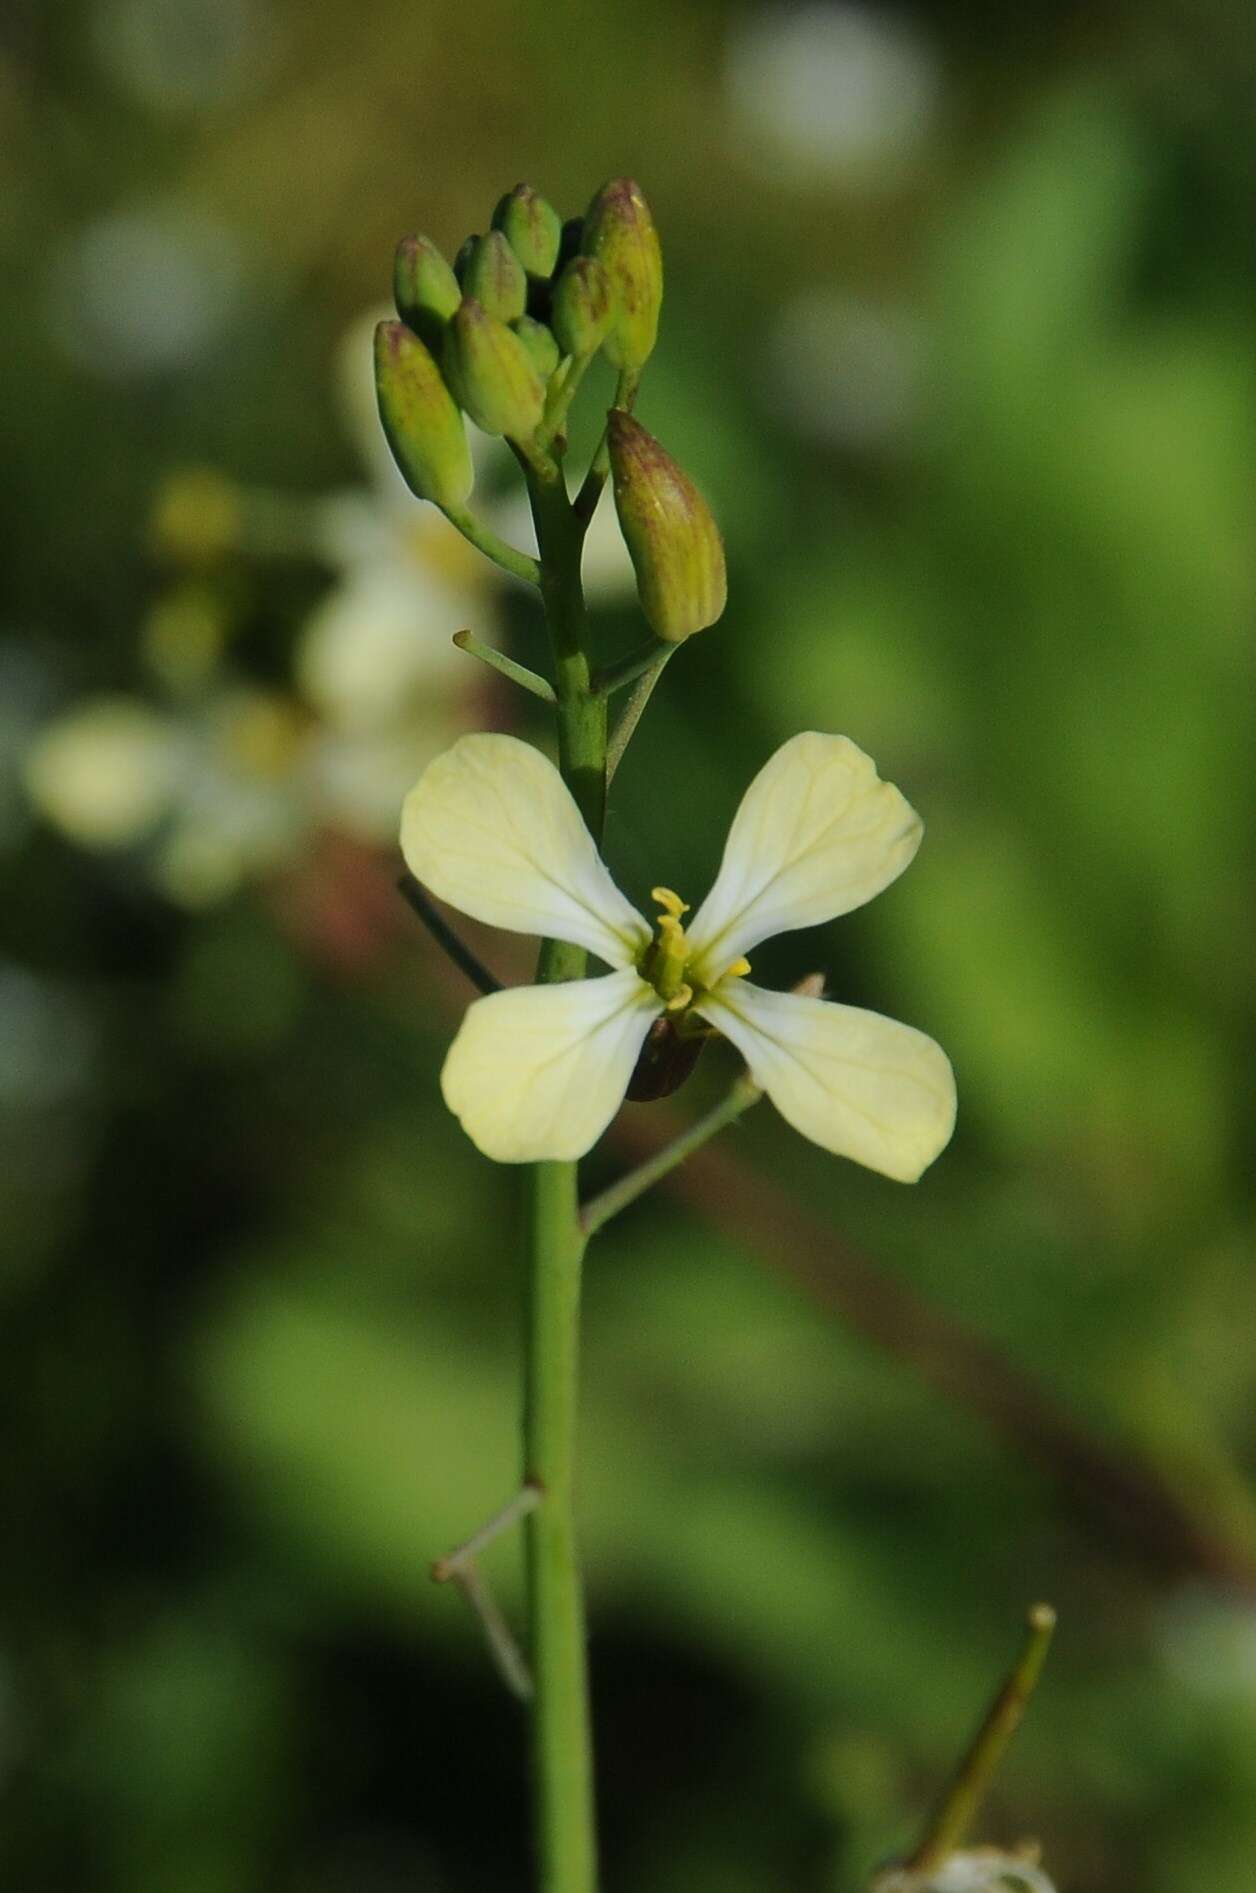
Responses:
[738,969]
[680,998]
[672,902]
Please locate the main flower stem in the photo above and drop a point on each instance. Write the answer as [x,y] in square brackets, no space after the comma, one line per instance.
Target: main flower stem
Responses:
[562,1761]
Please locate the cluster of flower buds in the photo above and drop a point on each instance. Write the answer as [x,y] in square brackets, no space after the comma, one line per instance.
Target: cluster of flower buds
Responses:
[503,334]
[519,305]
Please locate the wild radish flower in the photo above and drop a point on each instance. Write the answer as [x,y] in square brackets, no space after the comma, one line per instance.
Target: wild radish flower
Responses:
[538,1072]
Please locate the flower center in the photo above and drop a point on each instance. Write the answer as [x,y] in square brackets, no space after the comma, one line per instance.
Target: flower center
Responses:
[666,959]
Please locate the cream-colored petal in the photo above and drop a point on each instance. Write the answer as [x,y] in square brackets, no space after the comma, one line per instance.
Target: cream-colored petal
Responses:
[538,1072]
[817,834]
[855,1083]
[492,828]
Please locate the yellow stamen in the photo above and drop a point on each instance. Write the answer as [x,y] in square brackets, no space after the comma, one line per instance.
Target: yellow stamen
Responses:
[672,902]
[737,970]
[680,998]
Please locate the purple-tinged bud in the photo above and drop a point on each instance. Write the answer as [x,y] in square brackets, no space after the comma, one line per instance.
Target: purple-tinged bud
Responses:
[670,532]
[619,231]
[495,277]
[491,372]
[425,289]
[532,227]
[583,305]
[423,425]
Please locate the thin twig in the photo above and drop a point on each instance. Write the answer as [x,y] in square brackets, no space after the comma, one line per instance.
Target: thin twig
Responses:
[459,952]
[959,1805]
[529,680]
[485,540]
[627,669]
[503,1648]
[525,1500]
[630,715]
[585,503]
[743,1093]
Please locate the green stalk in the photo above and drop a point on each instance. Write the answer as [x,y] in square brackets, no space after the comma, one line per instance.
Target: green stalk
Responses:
[562,1756]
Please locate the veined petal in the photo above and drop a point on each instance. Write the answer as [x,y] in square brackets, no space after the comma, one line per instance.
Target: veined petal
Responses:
[538,1072]
[492,828]
[817,834]
[853,1082]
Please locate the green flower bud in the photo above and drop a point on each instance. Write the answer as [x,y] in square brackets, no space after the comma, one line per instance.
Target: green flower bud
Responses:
[532,228]
[425,289]
[619,231]
[492,374]
[540,344]
[423,425]
[583,305]
[495,277]
[671,535]
[466,250]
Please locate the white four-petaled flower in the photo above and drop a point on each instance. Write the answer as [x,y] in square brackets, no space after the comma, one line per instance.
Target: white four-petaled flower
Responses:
[537,1072]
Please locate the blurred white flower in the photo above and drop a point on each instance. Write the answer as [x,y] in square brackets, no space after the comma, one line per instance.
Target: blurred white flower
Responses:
[975,1870]
[184,55]
[224,781]
[381,641]
[839,93]
[207,789]
[144,291]
[105,772]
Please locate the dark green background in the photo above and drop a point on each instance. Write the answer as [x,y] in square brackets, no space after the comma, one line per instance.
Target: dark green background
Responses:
[260,1296]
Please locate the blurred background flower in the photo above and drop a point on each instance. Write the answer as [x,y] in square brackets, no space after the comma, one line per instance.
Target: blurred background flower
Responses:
[959,341]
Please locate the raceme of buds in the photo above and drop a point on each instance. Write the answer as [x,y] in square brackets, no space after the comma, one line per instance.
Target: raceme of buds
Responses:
[425,289]
[670,532]
[540,344]
[418,413]
[491,372]
[583,305]
[532,227]
[495,277]
[619,231]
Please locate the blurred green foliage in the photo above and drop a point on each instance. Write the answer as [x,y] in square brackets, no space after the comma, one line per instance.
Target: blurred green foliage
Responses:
[959,341]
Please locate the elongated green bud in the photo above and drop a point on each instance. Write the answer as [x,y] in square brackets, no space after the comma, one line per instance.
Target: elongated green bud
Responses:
[583,305]
[491,372]
[532,227]
[495,277]
[670,532]
[425,289]
[423,425]
[540,344]
[619,231]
